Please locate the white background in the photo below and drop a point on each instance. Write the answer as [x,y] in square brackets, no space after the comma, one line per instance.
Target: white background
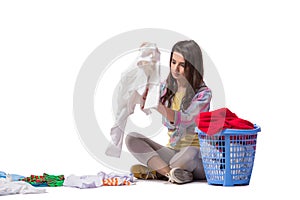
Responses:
[253,44]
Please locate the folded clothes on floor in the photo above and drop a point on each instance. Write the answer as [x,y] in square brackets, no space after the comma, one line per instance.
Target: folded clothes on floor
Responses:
[85,181]
[45,180]
[113,179]
[17,184]
[101,179]
[8,187]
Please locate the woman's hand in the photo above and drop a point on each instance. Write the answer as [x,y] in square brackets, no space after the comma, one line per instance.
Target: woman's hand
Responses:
[143,100]
[166,112]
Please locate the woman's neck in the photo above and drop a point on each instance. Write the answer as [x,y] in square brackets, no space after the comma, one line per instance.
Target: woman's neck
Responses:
[181,87]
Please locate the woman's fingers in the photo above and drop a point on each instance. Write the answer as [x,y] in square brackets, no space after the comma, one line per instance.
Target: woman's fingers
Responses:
[142,103]
[145,94]
[144,98]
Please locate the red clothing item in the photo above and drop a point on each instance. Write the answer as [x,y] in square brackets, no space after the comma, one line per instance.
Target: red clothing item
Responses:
[220,119]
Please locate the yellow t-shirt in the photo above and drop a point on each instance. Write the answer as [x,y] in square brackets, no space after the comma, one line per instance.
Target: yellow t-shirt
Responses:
[190,139]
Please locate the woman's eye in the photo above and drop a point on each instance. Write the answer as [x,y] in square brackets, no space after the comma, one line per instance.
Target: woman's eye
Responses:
[173,62]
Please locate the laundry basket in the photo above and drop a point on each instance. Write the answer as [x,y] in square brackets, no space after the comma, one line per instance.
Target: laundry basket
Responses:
[228,156]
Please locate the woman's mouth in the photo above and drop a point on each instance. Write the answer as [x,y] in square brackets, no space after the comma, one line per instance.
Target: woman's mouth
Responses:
[176,74]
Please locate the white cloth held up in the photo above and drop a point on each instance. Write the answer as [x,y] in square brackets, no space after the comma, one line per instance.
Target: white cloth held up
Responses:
[145,74]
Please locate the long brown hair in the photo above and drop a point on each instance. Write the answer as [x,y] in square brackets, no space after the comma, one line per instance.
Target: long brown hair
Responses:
[193,71]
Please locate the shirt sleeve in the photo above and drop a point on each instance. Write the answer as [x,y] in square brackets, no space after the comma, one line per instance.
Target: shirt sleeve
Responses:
[200,103]
[183,119]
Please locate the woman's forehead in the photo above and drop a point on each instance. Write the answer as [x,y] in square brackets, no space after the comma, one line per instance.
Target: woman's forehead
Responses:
[178,57]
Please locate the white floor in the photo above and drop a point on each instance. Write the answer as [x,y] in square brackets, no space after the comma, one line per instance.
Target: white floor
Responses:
[164,190]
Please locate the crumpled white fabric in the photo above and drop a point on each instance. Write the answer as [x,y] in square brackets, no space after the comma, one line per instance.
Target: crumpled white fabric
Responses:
[8,187]
[144,74]
[94,181]
[85,181]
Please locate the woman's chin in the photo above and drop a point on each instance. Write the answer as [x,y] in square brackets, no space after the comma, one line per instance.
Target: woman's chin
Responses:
[176,76]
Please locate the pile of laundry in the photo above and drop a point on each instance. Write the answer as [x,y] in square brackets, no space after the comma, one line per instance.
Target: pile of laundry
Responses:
[34,184]
[215,121]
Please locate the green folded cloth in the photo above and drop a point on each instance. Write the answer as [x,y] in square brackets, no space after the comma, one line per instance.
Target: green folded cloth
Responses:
[45,180]
[54,181]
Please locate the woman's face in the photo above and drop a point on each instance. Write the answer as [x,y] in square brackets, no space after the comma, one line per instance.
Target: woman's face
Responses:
[177,66]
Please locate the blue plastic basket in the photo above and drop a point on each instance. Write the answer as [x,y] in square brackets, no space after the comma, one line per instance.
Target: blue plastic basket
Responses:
[228,156]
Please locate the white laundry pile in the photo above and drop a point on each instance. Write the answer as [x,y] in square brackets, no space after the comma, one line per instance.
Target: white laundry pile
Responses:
[101,179]
[144,74]
[8,187]
[86,181]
